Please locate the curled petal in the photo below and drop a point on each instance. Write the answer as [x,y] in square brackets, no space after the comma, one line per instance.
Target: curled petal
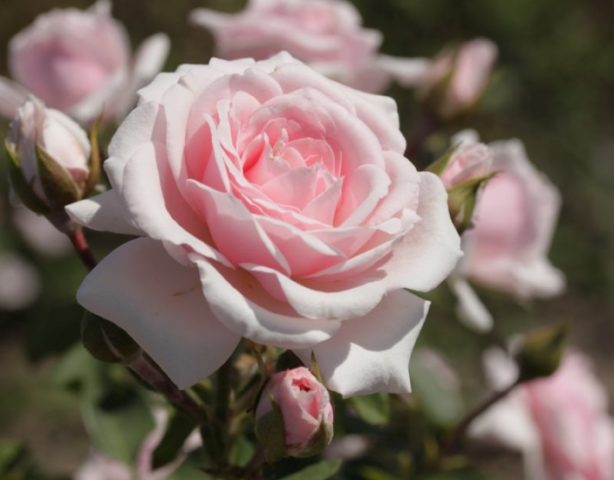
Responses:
[371,354]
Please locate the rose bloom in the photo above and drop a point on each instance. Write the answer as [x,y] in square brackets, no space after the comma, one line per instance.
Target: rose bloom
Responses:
[560,423]
[304,404]
[273,204]
[327,34]
[514,222]
[79,62]
[457,78]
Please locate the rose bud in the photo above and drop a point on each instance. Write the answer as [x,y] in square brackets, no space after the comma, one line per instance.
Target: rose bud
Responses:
[294,416]
[456,79]
[464,170]
[49,155]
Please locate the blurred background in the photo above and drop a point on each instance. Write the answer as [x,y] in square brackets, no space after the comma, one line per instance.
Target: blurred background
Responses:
[553,88]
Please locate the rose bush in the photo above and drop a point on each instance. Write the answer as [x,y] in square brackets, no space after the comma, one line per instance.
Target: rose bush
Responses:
[274,204]
[327,34]
[560,423]
[79,62]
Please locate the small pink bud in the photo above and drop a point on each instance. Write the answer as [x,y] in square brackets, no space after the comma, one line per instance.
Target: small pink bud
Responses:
[457,79]
[471,160]
[300,404]
[51,156]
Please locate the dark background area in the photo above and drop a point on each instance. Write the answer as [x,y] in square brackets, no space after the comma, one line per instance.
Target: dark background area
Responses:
[553,88]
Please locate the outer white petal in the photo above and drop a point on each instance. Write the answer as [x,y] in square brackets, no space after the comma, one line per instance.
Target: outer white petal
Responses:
[232,296]
[409,72]
[11,98]
[429,252]
[470,309]
[160,304]
[371,353]
[103,212]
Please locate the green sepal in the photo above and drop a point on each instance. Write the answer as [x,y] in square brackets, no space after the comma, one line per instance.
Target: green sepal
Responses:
[22,188]
[439,165]
[320,440]
[271,434]
[58,185]
[373,409]
[179,428]
[462,200]
[541,351]
[314,367]
[105,341]
[95,163]
[318,471]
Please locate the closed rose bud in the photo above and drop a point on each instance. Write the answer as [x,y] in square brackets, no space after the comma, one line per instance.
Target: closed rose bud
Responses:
[457,78]
[469,161]
[294,416]
[50,156]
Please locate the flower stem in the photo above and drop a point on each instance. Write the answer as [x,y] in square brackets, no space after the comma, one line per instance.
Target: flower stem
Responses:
[151,374]
[450,443]
[82,248]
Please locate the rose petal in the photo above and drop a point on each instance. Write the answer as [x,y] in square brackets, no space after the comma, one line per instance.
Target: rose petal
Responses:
[326,300]
[238,301]
[470,309]
[11,98]
[160,304]
[429,252]
[371,354]
[102,212]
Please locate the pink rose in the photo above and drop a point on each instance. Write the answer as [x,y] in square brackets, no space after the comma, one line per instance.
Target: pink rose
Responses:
[326,34]
[514,223]
[305,407]
[456,79]
[79,62]
[561,423]
[274,204]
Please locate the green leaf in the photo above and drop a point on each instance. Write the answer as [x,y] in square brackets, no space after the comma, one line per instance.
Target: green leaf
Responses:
[241,452]
[179,428]
[373,409]
[58,185]
[22,188]
[441,402]
[11,453]
[372,473]
[120,428]
[318,471]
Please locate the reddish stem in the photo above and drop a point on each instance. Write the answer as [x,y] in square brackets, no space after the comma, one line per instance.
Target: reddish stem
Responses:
[82,248]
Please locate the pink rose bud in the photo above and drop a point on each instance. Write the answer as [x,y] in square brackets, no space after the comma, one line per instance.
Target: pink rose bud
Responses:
[456,79]
[294,416]
[79,62]
[49,155]
[327,35]
[470,160]
[560,423]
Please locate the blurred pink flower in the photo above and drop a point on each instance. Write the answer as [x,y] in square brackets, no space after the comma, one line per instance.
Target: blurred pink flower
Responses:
[326,34]
[19,282]
[470,160]
[39,233]
[79,62]
[514,222]
[560,423]
[457,78]
[304,404]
